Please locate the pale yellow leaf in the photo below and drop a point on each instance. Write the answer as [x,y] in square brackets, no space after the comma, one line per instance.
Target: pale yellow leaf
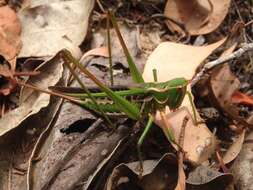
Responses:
[173,60]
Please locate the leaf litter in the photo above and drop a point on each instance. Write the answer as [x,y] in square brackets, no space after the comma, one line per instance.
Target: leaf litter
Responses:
[203,139]
[198,17]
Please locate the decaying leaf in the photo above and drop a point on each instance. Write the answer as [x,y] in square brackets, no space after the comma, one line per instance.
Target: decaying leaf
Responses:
[240,98]
[32,101]
[234,149]
[198,17]
[157,175]
[10,30]
[204,178]
[223,84]
[199,142]
[162,174]
[49,27]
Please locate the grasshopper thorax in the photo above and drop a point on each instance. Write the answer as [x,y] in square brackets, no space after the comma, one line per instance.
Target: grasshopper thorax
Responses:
[170,93]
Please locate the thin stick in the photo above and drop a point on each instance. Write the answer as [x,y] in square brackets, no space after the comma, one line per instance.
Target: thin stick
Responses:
[182,132]
[10,177]
[26,73]
[181,174]
[3,108]
[221,162]
[109,47]
[238,53]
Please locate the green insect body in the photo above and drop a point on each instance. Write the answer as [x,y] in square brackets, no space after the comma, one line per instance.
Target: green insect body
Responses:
[170,93]
[155,95]
[108,106]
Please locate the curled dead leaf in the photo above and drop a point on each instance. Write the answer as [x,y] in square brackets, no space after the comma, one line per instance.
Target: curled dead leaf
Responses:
[157,174]
[223,84]
[32,101]
[205,178]
[100,51]
[198,17]
[234,149]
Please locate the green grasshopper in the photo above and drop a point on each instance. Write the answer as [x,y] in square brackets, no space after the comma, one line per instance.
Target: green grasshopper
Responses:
[139,102]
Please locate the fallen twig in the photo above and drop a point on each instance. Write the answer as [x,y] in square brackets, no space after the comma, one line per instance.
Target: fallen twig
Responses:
[181,173]
[238,53]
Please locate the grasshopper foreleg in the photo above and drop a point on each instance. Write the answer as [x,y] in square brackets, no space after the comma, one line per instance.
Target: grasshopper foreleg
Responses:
[196,122]
[141,140]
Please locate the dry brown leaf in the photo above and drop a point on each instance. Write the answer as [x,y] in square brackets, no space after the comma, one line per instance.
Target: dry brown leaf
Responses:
[10,30]
[157,175]
[198,17]
[49,26]
[32,101]
[199,142]
[234,149]
[206,178]
[223,84]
